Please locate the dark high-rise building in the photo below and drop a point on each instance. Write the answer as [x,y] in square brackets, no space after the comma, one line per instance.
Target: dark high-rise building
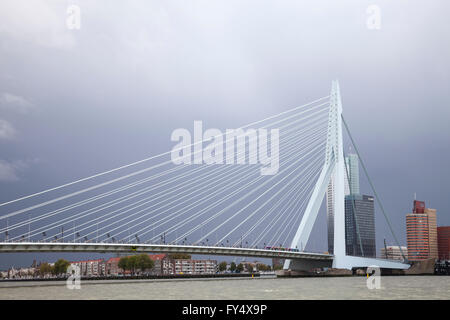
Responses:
[362,208]
[443,238]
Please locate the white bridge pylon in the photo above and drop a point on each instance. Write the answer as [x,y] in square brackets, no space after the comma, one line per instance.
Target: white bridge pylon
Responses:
[334,168]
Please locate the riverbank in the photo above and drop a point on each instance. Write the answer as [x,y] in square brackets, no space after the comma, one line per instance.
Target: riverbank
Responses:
[4,284]
[62,282]
[132,279]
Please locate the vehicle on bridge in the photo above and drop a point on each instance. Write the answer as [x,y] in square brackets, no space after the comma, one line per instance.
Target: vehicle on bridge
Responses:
[282,249]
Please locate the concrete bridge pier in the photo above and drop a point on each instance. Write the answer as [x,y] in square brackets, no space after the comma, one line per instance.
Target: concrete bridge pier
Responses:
[307,265]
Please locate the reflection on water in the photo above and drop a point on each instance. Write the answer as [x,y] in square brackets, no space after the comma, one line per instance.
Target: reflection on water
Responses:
[392,287]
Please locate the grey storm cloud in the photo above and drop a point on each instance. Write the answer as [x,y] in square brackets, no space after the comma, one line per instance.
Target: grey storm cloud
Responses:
[11,102]
[7,131]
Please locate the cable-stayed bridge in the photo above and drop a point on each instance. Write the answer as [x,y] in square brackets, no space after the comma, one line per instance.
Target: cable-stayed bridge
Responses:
[219,208]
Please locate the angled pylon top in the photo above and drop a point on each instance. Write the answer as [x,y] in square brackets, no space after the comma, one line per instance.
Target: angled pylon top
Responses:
[334,133]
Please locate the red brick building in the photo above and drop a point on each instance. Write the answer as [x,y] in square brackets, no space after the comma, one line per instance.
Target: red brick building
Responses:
[112,267]
[443,234]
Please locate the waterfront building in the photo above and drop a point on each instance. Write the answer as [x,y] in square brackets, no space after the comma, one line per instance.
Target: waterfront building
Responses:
[393,252]
[157,266]
[360,225]
[112,267]
[255,265]
[91,268]
[27,273]
[421,233]
[190,266]
[12,273]
[20,273]
[164,265]
[167,266]
[443,235]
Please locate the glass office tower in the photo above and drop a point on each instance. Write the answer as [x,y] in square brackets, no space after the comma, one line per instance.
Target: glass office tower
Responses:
[360,217]
[352,164]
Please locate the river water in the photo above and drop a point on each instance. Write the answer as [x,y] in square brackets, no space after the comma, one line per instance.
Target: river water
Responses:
[392,287]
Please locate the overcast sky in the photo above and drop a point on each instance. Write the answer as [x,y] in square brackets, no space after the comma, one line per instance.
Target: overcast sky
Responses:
[77,102]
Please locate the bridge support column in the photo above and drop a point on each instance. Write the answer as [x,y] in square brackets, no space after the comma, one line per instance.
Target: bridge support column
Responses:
[334,168]
[340,258]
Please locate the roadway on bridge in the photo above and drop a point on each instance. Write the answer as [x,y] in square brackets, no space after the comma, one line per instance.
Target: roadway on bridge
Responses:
[157,248]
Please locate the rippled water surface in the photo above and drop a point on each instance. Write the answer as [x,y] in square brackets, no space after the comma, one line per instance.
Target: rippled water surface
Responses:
[392,287]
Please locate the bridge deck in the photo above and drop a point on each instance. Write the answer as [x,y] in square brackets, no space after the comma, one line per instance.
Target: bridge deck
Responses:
[156,248]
